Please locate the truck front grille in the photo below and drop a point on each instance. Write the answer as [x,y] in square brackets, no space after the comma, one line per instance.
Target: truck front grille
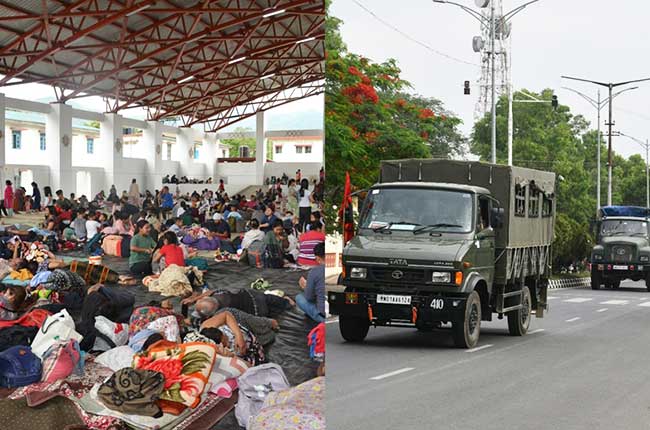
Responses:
[622,254]
[392,275]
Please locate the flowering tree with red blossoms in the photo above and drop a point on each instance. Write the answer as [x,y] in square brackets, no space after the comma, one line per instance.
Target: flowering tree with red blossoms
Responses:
[370,116]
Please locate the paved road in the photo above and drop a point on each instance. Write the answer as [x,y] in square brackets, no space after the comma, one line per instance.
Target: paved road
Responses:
[585,365]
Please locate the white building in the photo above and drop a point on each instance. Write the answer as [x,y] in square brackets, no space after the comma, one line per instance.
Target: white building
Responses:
[60,146]
[298,147]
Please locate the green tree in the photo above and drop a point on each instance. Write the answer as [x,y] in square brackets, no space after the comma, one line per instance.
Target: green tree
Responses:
[236,142]
[371,116]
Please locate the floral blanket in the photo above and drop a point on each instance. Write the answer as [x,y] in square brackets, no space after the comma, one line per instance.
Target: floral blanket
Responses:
[186,368]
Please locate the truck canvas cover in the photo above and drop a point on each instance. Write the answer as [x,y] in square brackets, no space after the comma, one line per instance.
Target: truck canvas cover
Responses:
[527,197]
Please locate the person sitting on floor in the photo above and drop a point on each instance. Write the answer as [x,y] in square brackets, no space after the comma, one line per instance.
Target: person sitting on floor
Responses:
[142,247]
[170,251]
[308,242]
[277,246]
[312,300]
[10,302]
[253,234]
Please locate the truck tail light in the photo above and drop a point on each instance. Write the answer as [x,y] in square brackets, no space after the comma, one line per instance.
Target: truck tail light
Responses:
[458,279]
[351,298]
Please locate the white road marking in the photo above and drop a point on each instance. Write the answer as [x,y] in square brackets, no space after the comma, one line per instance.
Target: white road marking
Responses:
[645,304]
[335,320]
[539,330]
[573,319]
[393,373]
[601,310]
[552,297]
[615,302]
[478,348]
[578,300]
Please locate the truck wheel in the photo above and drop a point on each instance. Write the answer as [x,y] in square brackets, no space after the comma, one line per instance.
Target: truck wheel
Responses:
[596,280]
[647,283]
[519,320]
[467,331]
[353,329]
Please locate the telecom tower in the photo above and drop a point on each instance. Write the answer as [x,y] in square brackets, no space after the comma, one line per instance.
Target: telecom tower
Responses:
[482,45]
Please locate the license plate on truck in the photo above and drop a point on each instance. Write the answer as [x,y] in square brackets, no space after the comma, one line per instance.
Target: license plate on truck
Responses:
[620,267]
[393,300]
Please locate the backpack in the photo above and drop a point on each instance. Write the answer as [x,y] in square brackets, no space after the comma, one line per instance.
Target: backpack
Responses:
[125,246]
[274,258]
[16,335]
[254,385]
[257,254]
[19,367]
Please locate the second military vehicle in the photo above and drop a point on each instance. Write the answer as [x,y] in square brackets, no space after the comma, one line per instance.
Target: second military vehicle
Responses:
[622,248]
[442,241]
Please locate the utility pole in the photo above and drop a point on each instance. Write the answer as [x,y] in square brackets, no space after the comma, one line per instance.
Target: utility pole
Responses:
[493,72]
[610,86]
[492,22]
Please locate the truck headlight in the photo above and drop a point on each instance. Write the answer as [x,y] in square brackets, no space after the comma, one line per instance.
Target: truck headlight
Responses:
[441,277]
[644,259]
[599,257]
[358,273]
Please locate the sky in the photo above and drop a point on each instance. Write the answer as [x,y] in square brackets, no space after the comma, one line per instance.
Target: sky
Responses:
[302,114]
[598,40]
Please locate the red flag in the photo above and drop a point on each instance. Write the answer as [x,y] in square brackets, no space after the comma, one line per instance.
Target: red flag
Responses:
[345,212]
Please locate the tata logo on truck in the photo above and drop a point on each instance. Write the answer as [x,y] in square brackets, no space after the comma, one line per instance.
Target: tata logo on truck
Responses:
[398,262]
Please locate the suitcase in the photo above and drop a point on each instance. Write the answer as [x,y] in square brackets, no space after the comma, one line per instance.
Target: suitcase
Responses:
[112,245]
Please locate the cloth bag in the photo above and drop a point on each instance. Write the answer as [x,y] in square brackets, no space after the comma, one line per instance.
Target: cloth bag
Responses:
[133,391]
[254,386]
[56,328]
[60,360]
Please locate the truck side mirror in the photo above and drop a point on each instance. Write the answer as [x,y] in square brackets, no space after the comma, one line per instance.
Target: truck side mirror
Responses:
[496,218]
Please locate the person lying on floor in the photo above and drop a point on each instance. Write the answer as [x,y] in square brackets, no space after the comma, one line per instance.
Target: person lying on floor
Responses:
[11,299]
[250,301]
[256,332]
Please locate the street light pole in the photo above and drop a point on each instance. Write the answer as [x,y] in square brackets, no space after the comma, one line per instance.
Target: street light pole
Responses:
[599,105]
[610,86]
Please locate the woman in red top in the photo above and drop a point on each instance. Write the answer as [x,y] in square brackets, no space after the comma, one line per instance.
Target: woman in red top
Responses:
[172,252]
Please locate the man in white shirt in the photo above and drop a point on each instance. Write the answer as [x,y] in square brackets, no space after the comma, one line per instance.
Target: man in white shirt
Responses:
[253,234]
[92,225]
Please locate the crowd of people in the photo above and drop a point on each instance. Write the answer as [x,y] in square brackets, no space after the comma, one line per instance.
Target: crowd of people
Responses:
[169,239]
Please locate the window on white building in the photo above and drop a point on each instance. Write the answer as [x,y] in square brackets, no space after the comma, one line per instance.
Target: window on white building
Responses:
[298,149]
[90,145]
[15,139]
[42,141]
[196,152]
[307,149]
[278,149]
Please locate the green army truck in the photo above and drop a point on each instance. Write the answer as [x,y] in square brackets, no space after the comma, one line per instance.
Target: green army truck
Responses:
[622,249]
[441,241]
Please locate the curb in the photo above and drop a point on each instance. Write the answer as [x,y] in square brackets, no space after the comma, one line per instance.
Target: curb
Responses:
[568,283]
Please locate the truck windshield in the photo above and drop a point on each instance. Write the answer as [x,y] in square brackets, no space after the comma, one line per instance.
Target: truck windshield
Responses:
[618,227]
[408,209]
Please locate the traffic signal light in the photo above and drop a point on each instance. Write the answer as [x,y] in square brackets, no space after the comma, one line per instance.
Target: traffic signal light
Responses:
[466,91]
[554,102]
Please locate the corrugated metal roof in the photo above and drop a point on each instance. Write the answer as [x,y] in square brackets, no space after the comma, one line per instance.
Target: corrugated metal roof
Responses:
[195,60]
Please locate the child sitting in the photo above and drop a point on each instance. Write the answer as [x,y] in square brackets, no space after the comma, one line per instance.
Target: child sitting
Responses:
[171,251]
[10,301]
